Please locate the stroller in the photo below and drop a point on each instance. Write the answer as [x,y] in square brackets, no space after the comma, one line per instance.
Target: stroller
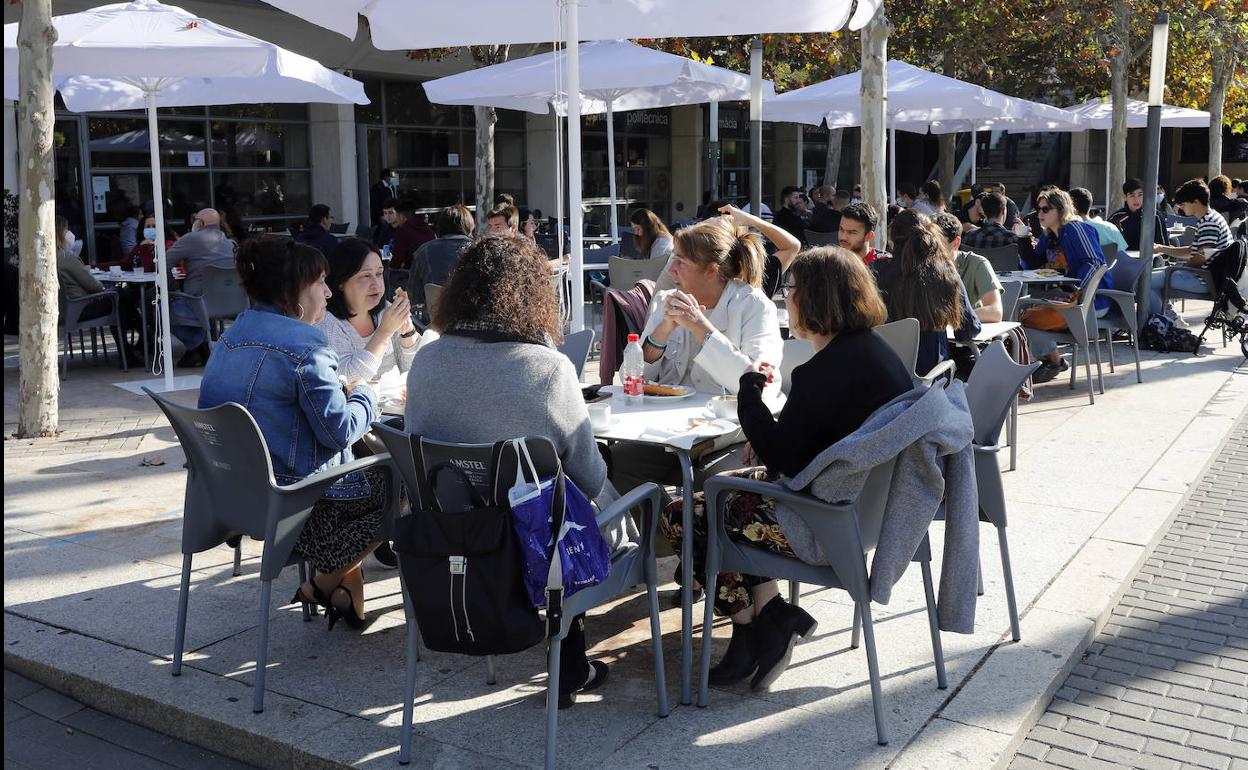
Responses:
[1230,281]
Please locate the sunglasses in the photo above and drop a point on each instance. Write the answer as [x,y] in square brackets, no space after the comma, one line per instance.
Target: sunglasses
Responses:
[1044,209]
[787,290]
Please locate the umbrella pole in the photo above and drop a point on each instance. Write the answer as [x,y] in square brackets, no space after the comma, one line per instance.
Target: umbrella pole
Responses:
[575,163]
[162,270]
[615,224]
[892,163]
[1108,151]
[974,154]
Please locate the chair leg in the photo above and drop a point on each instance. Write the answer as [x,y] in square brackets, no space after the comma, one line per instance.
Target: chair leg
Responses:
[1009,584]
[938,652]
[1100,376]
[552,703]
[656,639]
[795,592]
[491,675]
[1012,430]
[262,646]
[856,634]
[409,679]
[708,618]
[179,633]
[979,589]
[1135,346]
[238,559]
[873,672]
[1087,365]
[1110,341]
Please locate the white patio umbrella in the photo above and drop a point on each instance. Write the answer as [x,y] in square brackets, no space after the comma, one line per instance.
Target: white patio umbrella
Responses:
[1098,114]
[615,75]
[403,24]
[917,100]
[145,54]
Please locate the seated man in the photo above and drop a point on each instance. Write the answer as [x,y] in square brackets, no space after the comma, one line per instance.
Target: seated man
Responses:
[992,233]
[315,231]
[206,244]
[383,233]
[1106,232]
[411,232]
[858,223]
[435,259]
[981,282]
[504,219]
[1127,218]
[1212,232]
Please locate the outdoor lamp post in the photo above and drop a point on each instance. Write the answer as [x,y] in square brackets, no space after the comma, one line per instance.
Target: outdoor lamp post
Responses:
[1148,215]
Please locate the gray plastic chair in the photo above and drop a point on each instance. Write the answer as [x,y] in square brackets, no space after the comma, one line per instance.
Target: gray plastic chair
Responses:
[70,321]
[795,353]
[1011,292]
[816,238]
[230,491]
[576,347]
[903,337]
[1080,323]
[224,296]
[563,291]
[396,278]
[1123,313]
[1169,292]
[845,532]
[625,273]
[989,393]
[1003,258]
[628,245]
[633,566]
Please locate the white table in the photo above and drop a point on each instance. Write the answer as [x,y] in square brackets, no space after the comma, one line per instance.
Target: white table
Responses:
[141,278]
[1033,276]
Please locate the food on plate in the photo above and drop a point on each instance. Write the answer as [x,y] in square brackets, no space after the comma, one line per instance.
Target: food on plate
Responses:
[698,422]
[655,389]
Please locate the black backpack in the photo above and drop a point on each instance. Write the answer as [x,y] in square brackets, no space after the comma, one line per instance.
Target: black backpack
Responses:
[462,568]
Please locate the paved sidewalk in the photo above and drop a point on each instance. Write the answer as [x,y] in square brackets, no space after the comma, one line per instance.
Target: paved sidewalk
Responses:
[1165,684]
[43,729]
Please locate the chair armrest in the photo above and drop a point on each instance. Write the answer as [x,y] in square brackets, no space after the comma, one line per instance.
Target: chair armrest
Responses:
[598,286]
[326,478]
[720,484]
[647,492]
[947,369]
[1123,300]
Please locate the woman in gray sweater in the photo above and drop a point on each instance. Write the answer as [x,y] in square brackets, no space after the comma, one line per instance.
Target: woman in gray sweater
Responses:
[494,375]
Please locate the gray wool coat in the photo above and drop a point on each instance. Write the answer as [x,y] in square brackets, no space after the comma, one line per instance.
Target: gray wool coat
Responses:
[929,431]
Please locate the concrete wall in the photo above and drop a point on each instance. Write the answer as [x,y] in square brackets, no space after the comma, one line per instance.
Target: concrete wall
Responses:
[688,162]
[786,156]
[539,157]
[10,146]
[331,136]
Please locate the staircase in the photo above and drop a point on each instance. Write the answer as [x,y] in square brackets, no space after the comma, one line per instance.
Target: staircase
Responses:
[1019,182]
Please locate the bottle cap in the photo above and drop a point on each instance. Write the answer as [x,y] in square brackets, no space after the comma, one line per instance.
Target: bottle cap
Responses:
[634,338]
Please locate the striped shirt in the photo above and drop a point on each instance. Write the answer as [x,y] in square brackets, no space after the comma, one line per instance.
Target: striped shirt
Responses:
[1212,232]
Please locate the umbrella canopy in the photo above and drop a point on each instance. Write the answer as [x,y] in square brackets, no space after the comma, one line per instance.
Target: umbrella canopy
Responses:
[399,24]
[624,75]
[1099,114]
[143,53]
[916,97]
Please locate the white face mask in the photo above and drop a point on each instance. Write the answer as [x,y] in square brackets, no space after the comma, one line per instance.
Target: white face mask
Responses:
[1161,197]
[69,239]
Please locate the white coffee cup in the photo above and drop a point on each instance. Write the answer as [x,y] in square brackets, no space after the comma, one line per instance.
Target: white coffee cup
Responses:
[1210,252]
[599,415]
[724,407]
[1021,230]
[115,269]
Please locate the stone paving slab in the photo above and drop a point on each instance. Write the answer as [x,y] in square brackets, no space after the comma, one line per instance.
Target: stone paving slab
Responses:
[1174,651]
[99,525]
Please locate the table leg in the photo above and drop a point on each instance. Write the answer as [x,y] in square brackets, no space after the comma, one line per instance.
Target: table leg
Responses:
[1013,424]
[147,364]
[686,580]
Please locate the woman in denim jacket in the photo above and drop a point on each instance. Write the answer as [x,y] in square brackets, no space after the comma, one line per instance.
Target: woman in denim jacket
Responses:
[274,361]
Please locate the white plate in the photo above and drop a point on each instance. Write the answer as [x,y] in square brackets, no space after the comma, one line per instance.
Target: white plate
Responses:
[614,421]
[733,419]
[688,392]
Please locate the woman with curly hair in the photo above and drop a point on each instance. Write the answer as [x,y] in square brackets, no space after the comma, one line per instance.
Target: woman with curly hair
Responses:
[494,374]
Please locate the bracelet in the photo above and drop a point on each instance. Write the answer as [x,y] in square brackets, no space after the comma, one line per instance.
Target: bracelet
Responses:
[652,343]
[408,335]
[707,336]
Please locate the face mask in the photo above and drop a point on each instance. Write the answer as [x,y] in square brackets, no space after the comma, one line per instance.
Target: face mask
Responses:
[69,238]
[394,181]
[855,201]
[149,233]
[1161,197]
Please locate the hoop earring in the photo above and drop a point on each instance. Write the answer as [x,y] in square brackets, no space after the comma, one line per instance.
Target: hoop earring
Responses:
[301,311]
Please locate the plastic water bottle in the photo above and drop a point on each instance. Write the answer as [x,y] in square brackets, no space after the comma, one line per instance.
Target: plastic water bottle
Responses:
[632,373]
[136,263]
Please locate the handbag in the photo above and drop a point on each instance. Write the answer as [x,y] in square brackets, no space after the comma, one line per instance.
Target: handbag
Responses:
[1045,317]
[579,557]
[463,570]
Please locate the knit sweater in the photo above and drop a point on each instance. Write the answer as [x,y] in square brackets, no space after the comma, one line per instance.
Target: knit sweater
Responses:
[355,362]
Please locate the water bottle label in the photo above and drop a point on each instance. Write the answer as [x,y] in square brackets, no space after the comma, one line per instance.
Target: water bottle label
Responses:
[634,385]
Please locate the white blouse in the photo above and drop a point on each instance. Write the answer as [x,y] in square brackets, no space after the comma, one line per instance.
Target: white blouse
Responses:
[354,359]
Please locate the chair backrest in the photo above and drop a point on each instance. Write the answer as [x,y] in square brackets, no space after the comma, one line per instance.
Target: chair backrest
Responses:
[433,292]
[990,390]
[796,352]
[396,278]
[549,243]
[872,501]
[625,272]
[475,460]
[1175,219]
[816,238]
[229,472]
[223,294]
[1010,292]
[1002,258]
[628,245]
[1087,296]
[1124,271]
[1109,251]
[602,253]
[903,337]
[1185,239]
[576,347]
[559,282]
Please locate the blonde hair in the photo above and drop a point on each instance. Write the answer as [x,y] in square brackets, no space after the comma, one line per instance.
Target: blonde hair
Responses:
[1060,200]
[736,251]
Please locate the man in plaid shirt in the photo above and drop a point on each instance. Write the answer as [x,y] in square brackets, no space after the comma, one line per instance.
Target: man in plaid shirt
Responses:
[992,233]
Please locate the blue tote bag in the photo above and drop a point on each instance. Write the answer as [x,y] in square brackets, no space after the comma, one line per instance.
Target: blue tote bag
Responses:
[581,557]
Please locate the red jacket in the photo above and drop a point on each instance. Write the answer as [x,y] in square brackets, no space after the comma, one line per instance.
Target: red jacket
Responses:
[410,236]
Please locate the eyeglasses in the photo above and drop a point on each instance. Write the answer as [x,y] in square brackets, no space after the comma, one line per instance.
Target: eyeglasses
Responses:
[1044,209]
[787,290]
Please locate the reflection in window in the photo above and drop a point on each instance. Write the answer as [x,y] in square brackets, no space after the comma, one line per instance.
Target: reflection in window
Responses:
[259,145]
[122,142]
[255,194]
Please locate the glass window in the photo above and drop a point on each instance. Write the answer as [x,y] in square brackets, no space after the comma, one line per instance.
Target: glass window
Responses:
[508,149]
[509,120]
[406,104]
[371,112]
[260,145]
[122,142]
[69,184]
[414,148]
[261,111]
[185,193]
[263,193]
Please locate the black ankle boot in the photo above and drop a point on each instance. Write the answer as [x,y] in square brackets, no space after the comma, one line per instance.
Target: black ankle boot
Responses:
[740,660]
[779,624]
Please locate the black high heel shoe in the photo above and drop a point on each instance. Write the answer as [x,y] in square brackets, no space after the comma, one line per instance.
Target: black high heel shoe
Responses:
[318,597]
[347,614]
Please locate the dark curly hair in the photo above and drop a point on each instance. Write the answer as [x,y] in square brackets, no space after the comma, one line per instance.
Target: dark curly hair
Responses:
[503,280]
[276,271]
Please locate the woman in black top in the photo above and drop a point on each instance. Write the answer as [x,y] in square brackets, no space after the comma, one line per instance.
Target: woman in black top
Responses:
[833,302]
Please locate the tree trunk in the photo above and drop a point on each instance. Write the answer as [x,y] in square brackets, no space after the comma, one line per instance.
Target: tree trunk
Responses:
[485,118]
[39,386]
[1223,66]
[1118,64]
[874,121]
[832,163]
[948,144]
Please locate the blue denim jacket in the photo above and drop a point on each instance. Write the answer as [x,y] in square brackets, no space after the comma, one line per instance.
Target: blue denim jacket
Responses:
[283,373]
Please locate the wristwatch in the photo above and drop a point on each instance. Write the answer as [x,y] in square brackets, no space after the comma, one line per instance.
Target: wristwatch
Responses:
[408,335]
